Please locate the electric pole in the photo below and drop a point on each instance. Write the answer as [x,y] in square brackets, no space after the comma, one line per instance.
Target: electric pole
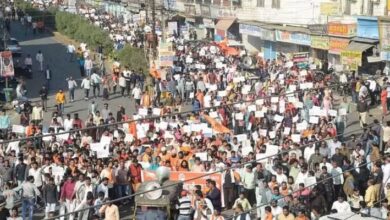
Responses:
[154,29]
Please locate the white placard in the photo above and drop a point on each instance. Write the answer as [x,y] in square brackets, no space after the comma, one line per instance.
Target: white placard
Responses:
[143,111]
[301,126]
[252,108]
[272,134]
[222,93]
[286,131]
[18,129]
[295,118]
[157,111]
[272,150]
[255,136]
[263,132]
[246,150]
[239,116]
[213,114]
[274,99]
[298,104]
[278,118]
[342,111]
[296,138]
[96,146]
[259,114]
[202,155]
[332,113]
[213,87]
[259,102]
[192,95]
[261,157]
[241,137]
[314,120]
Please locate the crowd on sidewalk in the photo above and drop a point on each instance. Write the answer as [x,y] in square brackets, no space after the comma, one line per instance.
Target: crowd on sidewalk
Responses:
[275,137]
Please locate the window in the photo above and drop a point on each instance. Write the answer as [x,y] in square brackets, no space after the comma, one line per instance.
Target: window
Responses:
[275,3]
[260,3]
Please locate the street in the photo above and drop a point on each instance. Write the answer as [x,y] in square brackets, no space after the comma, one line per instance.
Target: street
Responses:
[55,56]
[58,60]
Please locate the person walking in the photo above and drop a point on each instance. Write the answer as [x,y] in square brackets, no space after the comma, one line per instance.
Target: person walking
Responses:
[50,196]
[29,194]
[48,77]
[68,197]
[384,101]
[96,80]
[43,94]
[86,85]
[88,65]
[122,84]
[72,84]
[362,109]
[39,58]
[71,50]
[60,100]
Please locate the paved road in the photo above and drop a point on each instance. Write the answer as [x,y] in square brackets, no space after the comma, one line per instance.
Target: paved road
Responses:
[56,57]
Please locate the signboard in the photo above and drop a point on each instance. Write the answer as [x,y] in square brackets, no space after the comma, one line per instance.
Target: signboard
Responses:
[320,42]
[336,45]
[329,8]
[208,23]
[353,59]
[342,30]
[253,30]
[172,27]
[319,29]
[170,4]
[294,38]
[301,59]
[166,58]
[7,64]
[384,34]
[385,55]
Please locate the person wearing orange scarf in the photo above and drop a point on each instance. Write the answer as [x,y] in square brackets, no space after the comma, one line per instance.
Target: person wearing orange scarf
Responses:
[145,100]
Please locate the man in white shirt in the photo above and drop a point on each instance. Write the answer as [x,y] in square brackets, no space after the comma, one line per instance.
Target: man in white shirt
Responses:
[88,65]
[71,50]
[39,58]
[95,79]
[36,173]
[68,123]
[333,145]
[72,84]
[137,93]
[341,206]
[86,85]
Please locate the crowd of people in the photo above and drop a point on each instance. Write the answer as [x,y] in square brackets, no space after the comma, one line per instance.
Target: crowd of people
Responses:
[276,135]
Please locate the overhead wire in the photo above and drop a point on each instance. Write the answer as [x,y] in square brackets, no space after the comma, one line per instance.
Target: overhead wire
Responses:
[210,173]
[168,115]
[312,185]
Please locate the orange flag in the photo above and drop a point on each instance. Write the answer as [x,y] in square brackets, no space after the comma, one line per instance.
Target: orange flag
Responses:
[216,126]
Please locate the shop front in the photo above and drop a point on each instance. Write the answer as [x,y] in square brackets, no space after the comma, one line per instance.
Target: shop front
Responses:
[336,46]
[340,36]
[384,40]
[366,43]
[320,47]
[292,42]
[256,38]
[223,29]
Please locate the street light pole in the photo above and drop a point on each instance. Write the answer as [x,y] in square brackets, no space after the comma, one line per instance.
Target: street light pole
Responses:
[154,28]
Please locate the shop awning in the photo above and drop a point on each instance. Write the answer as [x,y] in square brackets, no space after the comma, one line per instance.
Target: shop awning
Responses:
[356,46]
[225,24]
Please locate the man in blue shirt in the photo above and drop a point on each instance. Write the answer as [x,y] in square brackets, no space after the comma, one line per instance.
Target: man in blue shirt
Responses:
[5,121]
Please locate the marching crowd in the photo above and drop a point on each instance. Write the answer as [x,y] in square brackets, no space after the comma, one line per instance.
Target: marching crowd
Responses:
[276,135]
